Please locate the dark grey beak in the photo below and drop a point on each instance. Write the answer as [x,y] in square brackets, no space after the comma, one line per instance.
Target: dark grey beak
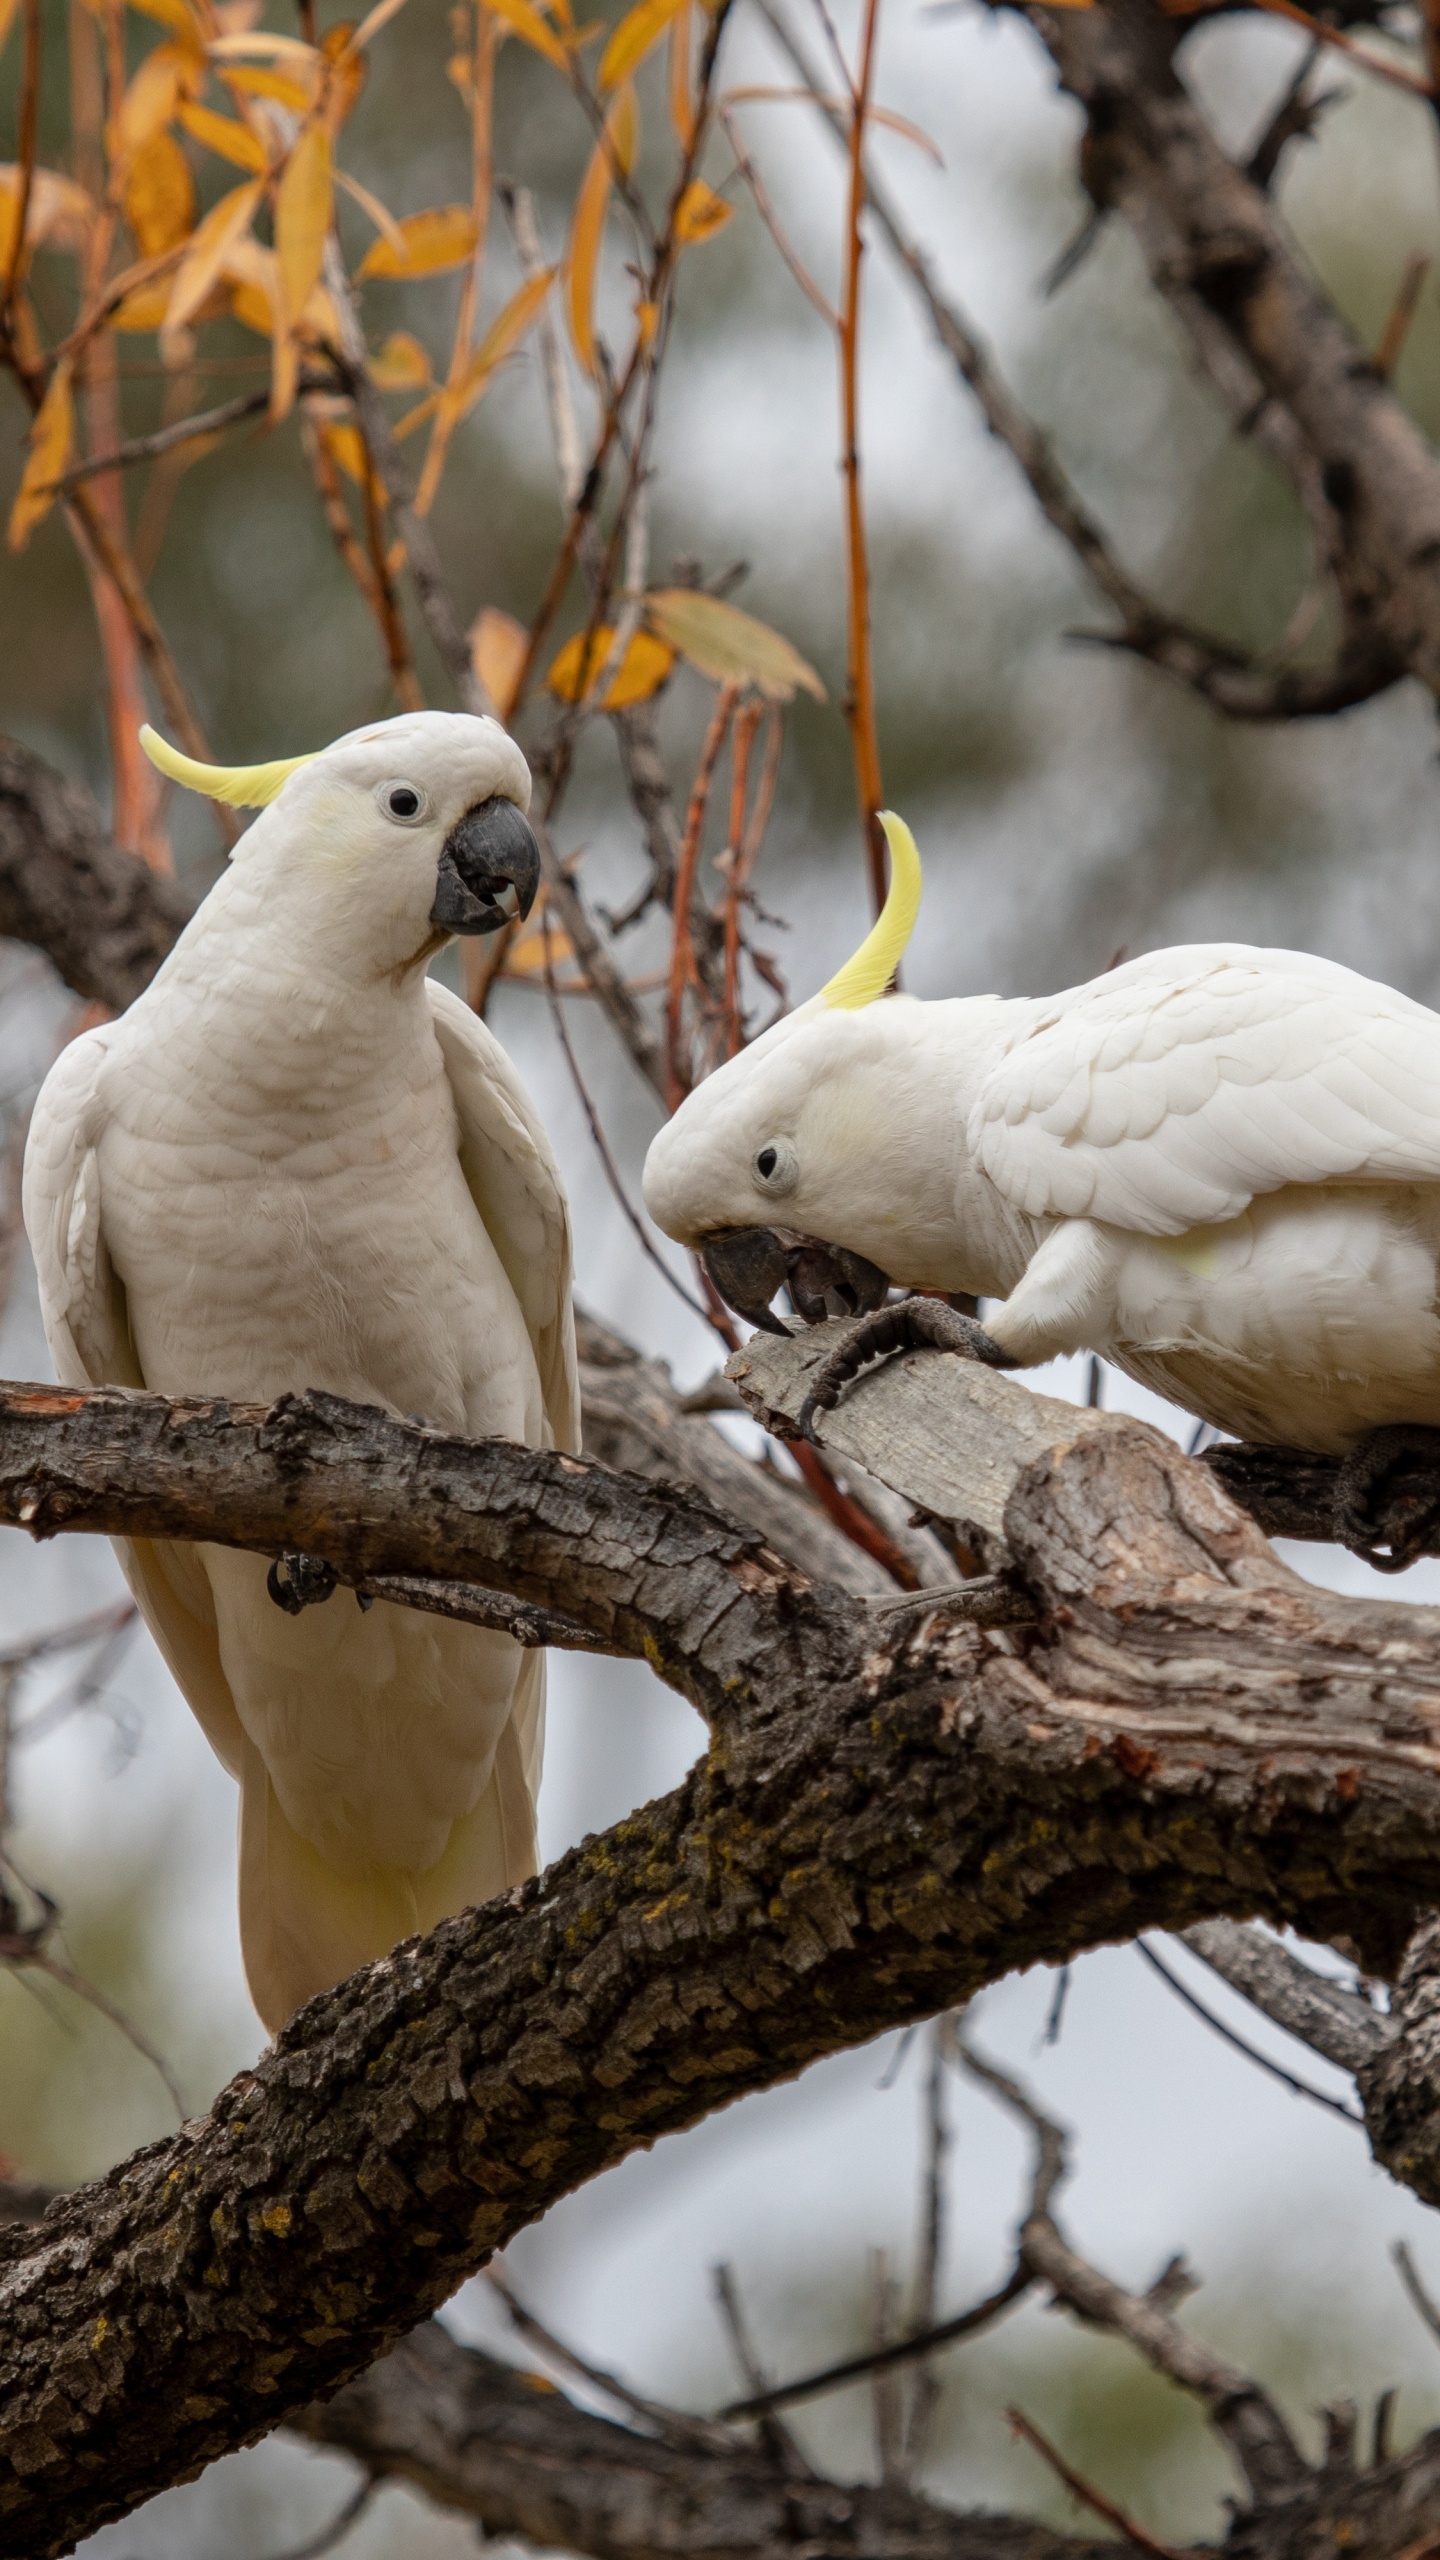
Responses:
[749,1264]
[489,870]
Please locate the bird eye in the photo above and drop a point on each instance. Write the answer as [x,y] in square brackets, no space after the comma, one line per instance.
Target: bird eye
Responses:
[777,1167]
[404,801]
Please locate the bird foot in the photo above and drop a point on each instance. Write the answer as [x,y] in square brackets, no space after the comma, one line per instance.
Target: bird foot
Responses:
[914,1324]
[297,1582]
[1387,1496]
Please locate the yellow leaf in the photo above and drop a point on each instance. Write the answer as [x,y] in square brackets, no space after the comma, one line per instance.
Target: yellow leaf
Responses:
[700,213]
[616,148]
[9,12]
[401,365]
[302,58]
[347,70]
[682,112]
[727,645]
[526,22]
[500,338]
[436,240]
[151,98]
[526,959]
[497,653]
[303,202]
[254,81]
[51,438]
[378,17]
[159,196]
[225,135]
[344,446]
[641,672]
[647,321]
[211,244]
[639,29]
[59,216]
[142,309]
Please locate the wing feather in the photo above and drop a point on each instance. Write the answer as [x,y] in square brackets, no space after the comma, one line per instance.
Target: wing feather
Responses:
[1172,1091]
[514,1180]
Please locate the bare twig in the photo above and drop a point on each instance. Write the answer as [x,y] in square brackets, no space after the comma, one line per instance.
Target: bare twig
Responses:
[205,422]
[860,666]
[1420,2297]
[1402,313]
[672,2425]
[1336,2022]
[946,2333]
[776,2437]
[1252,2053]
[1089,2496]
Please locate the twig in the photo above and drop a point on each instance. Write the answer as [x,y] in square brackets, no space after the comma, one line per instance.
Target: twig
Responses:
[408,691]
[519,206]
[94,1998]
[334,2533]
[860,675]
[1410,2277]
[1402,314]
[774,226]
[1088,2496]
[601,1143]
[207,422]
[1252,2053]
[774,2435]
[1336,2022]
[946,2333]
[692,2434]
[682,956]
[925,2389]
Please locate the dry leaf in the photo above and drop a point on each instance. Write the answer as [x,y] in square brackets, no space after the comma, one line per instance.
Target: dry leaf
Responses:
[615,149]
[152,97]
[9,12]
[502,336]
[527,23]
[401,365]
[729,646]
[144,308]
[253,80]
[159,196]
[51,438]
[643,669]
[498,644]
[442,237]
[682,111]
[303,207]
[226,136]
[210,246]
[639,29]
[347,70]
[700,213]
[178,16]
[527,957]
[59,215]
[303,59]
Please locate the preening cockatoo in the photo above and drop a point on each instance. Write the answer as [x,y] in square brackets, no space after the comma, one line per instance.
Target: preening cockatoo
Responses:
[1217,1166]
[298,1162]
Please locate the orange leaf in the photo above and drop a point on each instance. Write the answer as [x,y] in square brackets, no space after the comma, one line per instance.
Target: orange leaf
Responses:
[159,196]
[639,29]
[142,309]
[344,446]
[527,23]
[178,16]
[401,365]
[727,645]
[497,653]
[436,240]
[9,12]
[682,112]
[348,69]
[225,135]
[616,147]
[254,81]
[700,213]
[503,334]
[641,672]
[210,246]
[303,204]
[527,957]
[152,96]
[51,438]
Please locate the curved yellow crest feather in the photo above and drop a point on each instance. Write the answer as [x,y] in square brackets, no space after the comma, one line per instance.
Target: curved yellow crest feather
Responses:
[243,786]
[869,972]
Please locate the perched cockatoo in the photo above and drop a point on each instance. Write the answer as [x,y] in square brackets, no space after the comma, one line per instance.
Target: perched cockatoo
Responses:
[297,1162]
[1219,1167]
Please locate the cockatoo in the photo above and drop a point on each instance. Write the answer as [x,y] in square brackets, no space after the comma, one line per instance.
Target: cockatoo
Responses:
[298,1162]
[1218,1167]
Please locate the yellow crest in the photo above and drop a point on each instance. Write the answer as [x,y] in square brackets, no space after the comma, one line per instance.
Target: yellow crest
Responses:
[869,973]
[243,786]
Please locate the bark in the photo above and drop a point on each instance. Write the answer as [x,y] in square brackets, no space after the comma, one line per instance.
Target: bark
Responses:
[1273,345]
[104,919]
[863,1844]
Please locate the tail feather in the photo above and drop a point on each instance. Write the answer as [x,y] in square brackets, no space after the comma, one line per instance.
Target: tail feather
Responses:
[303,1927]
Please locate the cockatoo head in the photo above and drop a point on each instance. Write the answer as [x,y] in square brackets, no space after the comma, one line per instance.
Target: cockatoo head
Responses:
[785,1166]
[392,839]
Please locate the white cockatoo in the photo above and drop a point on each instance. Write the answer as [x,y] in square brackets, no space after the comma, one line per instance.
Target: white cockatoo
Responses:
[298,1162]
[1218,1167]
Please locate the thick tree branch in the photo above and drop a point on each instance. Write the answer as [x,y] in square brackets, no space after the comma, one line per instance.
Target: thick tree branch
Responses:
[101,916]
[1331,2020]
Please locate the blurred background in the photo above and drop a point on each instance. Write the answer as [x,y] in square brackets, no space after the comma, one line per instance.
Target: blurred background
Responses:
[1068,804]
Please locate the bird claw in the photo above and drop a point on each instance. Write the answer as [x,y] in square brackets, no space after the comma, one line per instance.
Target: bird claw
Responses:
[1387,1496]
[913,1324]
[297,1582]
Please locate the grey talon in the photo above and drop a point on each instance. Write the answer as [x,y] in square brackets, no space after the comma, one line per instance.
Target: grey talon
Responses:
[297,1582]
